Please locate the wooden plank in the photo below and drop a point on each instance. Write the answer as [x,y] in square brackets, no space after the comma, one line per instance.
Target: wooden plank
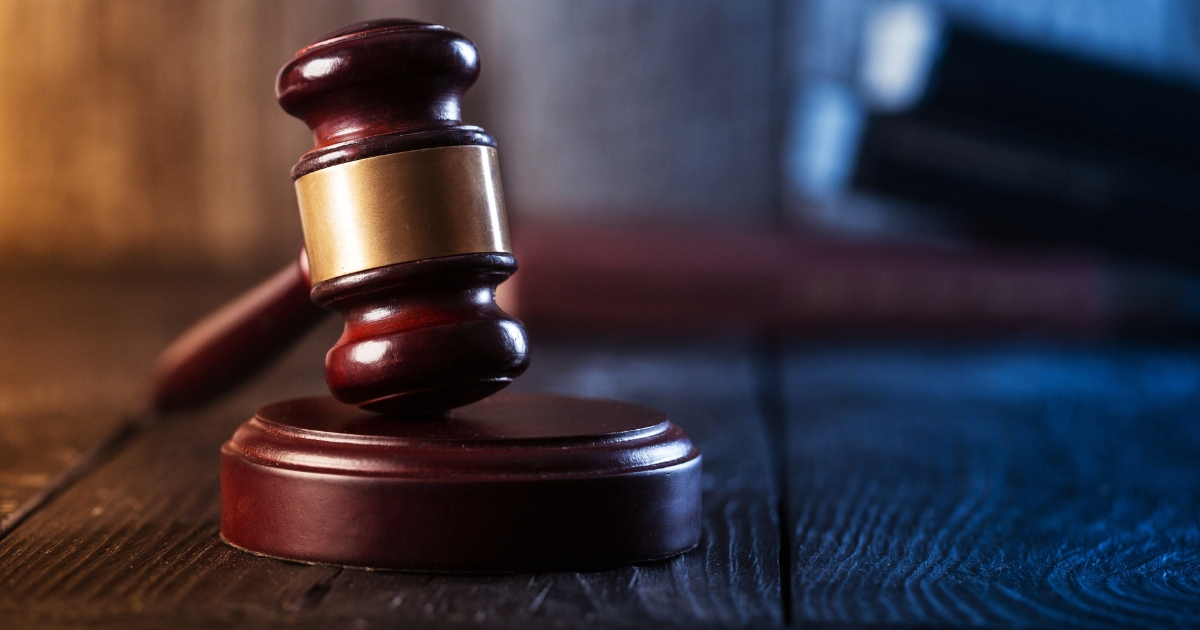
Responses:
[75,354]
[135,544]
[994,487]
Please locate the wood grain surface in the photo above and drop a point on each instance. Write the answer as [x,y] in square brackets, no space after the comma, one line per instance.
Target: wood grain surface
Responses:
[135,544]
[75,355]
[1027,486]
[994,487]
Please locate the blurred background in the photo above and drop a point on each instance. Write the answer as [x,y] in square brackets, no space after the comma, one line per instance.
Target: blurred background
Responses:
[148,132]
[819,166]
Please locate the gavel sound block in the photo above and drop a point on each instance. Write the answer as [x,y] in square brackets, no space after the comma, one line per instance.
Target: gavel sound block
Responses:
[416,462]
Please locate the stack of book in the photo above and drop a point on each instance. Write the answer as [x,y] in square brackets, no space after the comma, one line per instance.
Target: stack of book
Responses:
[1016,143]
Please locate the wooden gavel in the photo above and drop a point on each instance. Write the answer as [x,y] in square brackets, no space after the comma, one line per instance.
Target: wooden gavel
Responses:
[405,231]
[406,238]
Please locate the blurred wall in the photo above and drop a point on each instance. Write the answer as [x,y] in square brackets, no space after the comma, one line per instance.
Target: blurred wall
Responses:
[635,110]
[1156,36]
[142,133]
[145,133]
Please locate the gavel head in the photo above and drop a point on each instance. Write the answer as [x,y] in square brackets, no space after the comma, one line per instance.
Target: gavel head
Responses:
[403,218]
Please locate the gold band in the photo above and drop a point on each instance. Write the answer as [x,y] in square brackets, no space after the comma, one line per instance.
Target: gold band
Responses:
[402,207]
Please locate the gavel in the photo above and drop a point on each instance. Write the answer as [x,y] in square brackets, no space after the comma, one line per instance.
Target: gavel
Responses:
[416,462]
[404,225]
[403,218]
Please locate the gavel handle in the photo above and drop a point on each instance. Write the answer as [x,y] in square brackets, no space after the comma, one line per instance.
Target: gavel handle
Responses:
[227,347]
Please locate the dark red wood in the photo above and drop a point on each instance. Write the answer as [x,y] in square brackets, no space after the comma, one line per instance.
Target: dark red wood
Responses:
[516,482]
[422,336]
[438,479]
[227,347]
[380,87]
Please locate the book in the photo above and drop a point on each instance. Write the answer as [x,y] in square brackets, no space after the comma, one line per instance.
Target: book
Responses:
[1058,95]
[1002,185]
[698,282]
[1015,143]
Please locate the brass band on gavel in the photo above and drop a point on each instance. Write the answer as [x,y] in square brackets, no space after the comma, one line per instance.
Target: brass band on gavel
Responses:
[402,207]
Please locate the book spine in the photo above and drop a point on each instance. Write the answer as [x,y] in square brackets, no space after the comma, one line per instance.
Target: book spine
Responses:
[1065,97]
[640,281]
[1010,186]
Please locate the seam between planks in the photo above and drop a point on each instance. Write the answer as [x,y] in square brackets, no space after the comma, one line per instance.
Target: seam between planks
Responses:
[771,406]
[98,454]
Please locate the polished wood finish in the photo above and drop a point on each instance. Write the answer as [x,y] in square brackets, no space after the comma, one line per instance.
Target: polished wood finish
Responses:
[405,472]
[136,543]
[380,87]
[423,336]
[233,343]
[688,284]
[515,482]
[230,345]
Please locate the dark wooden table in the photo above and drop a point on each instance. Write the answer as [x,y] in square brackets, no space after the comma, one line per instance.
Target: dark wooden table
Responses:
[845,486]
